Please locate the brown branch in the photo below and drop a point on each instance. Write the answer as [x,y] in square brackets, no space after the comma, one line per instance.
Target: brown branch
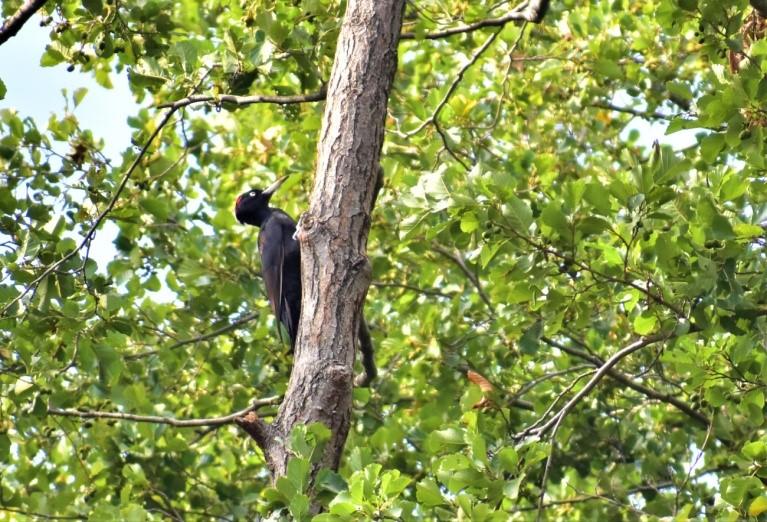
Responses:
[456,258]
[600,373]
[178,423]
[453,86]
[413,288]
[242,101]
[529,11]
[42,515]
[634,112]
[446,144]
[545,377]
[257,429]
[626,380]
[194,340]
[99,219]
[630,491]
[16,21]
[658,298]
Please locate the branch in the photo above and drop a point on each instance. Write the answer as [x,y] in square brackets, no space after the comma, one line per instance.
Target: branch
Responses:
[547,376]
[601,372]
[529,11]
[178,423]
[242,101]
[92,231]
[458,260]
[630,491]
[16,21]
[42,515]
[625,379]
[194,340]
[628,110]
[257,429]
[452,88]
[416,289]
[658,298]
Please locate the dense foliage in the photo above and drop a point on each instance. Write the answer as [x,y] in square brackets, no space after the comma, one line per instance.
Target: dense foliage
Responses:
[527,232]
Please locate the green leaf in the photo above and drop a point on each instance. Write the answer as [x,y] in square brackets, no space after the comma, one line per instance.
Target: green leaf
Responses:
[428,493]
[554,218]
[711,146]
[286,487]
[508,459]
[720,228]
[469,222]
[156,206]
[393,483]
[748,231]
[608,68]
[94,6]
[518,213]
[757,506]
[66,245]
[645,324]
[78,95]
[298,473]
[756,450]
[446,438]
[299,506]
[343,505]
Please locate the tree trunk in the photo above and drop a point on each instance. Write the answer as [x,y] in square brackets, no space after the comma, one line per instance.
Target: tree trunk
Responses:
[333,233]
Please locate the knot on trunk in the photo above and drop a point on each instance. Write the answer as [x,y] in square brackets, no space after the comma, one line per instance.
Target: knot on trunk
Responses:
[256,428]
[304,226]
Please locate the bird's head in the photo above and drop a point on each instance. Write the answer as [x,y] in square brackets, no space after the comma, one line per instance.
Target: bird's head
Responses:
[252,207]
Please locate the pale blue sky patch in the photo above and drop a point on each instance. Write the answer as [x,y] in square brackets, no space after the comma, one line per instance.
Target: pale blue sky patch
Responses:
[35,91]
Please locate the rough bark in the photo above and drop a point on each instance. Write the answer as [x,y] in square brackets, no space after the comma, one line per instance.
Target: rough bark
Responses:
[333,233]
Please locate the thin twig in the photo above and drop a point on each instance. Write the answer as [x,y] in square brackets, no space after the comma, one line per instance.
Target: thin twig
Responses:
[547,468]
[242,101]
[424,291]
[534,426]
[454,85]
[458,260]
[42,515]
[628,381]
[529,11]
[692,467]
[628,110]
[543,378]
[658,298]
[178,423]
[446,144]
[194,340]
[600,373]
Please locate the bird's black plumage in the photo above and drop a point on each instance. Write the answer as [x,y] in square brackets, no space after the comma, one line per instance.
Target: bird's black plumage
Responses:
[281,266]
[280,254]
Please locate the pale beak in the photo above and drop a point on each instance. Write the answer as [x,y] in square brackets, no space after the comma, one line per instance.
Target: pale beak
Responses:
[271,189]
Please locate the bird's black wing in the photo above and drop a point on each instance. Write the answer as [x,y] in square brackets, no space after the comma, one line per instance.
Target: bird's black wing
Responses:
[280,267]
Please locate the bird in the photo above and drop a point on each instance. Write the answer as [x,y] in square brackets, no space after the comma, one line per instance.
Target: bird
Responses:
[280,253]
[281,267]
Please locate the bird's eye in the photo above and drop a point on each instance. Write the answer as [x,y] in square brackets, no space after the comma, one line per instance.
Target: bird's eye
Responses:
[252,194]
